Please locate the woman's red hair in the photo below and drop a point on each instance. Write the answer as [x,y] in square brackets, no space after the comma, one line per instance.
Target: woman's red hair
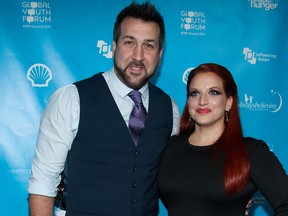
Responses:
[236,164]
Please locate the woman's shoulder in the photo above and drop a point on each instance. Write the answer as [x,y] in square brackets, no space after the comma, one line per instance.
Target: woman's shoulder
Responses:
[255,145]
[253,141]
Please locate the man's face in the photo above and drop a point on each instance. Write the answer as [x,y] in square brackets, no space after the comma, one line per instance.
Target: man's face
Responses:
[137,52]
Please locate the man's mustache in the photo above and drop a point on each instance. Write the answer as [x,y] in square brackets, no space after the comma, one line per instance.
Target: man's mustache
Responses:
[136,64]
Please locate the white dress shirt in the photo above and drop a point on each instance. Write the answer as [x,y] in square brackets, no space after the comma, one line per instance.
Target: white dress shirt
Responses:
[59,125]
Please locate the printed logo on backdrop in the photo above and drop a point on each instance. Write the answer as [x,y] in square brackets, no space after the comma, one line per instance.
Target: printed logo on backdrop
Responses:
[25,129]
[264,4]
[192,23]
[36,14]
[271,104]
[39,75]
[254,57]
[186,74]
[104,49]
[259,200]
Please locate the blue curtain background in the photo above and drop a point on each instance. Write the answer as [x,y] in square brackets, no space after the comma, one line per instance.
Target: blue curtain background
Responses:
[47,44]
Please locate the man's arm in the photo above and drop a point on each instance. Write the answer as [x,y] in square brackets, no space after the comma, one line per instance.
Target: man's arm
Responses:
[40,205]
[57,130]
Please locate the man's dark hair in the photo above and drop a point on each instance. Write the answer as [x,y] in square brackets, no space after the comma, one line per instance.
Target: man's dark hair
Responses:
[146,12]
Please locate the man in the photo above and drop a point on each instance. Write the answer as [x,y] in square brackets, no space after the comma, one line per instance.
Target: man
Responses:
[87,126]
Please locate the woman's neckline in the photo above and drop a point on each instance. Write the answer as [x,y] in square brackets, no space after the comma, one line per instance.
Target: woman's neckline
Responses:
[209,144]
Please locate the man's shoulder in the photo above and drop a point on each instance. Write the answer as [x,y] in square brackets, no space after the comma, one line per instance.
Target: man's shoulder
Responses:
[92,78]
[157,90]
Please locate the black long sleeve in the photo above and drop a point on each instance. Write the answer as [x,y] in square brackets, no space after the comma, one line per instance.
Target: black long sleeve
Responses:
[193,185]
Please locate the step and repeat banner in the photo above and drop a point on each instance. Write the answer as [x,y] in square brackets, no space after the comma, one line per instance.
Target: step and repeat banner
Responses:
[48,44]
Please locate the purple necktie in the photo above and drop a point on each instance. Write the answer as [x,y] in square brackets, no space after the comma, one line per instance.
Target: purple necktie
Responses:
[137,116]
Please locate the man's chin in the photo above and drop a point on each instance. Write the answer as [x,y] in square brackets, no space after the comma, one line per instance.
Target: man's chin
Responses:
[136,82]
[134,85]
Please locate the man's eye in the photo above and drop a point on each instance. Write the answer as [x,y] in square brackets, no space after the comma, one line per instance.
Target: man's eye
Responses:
[149,46]
[128,42]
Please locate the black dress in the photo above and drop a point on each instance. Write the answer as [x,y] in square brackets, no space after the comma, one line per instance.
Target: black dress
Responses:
[193,185]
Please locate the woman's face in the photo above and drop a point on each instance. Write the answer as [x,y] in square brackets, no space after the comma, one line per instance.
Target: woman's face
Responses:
[207,100]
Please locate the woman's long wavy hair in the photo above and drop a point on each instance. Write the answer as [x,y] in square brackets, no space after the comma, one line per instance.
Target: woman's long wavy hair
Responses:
[236,164]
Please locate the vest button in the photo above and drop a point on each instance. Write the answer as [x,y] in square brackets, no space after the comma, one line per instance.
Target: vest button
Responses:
[136,169]
[137,153]
[135,185]
[134,201]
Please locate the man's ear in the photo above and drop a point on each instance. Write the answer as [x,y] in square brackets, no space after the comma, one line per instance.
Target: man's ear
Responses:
[114,45]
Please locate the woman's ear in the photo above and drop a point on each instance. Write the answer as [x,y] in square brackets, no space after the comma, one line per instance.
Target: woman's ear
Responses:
[229,103]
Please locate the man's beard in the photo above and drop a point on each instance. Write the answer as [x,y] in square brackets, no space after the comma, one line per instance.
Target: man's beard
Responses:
[124,77]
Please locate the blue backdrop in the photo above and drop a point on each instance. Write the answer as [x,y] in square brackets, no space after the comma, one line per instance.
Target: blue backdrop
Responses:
[47,44]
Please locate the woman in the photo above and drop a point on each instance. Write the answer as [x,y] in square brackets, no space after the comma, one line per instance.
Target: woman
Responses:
[210,168]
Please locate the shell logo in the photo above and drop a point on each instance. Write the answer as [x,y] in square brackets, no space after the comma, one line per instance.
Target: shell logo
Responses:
[186,74]
[39,75]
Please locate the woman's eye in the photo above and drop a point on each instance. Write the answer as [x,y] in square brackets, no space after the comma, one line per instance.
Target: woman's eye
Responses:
[193,93]
[215,92]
